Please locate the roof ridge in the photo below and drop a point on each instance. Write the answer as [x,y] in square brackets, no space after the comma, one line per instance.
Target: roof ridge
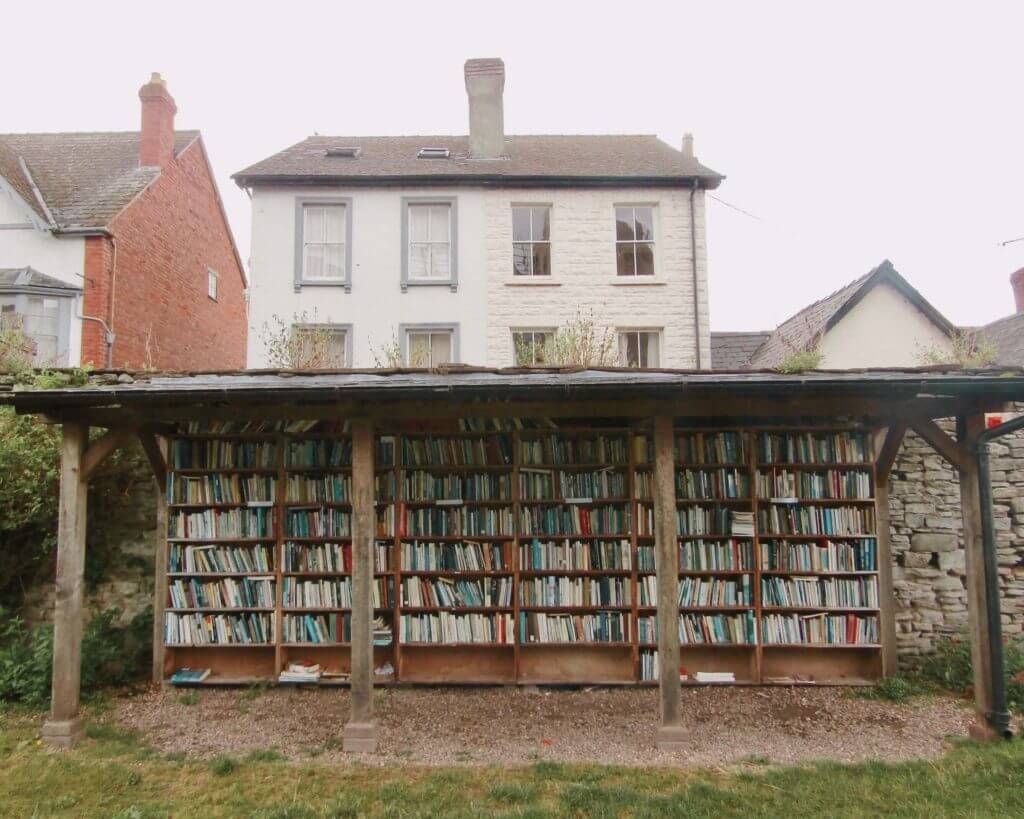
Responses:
[88,133]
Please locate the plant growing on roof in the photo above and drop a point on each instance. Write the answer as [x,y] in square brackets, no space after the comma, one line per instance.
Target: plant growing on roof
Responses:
[299,344]
[578,343]
[967,351]
[802,356]
[388,356]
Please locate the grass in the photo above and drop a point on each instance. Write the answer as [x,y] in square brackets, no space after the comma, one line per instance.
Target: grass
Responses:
[114,774]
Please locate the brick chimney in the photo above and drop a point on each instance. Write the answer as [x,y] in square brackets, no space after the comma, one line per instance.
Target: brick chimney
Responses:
[1017,283]
[485,84]
[156,147]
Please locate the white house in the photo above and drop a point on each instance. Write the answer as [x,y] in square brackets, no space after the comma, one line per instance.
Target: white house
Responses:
[472,249]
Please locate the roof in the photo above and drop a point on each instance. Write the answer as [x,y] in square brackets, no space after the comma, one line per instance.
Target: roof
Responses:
[803,330]
[86,179]
[537,159]
[733,350]
[1007,334]
[15,278]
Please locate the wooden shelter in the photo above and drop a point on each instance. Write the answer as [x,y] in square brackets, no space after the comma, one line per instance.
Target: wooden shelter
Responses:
[671,464]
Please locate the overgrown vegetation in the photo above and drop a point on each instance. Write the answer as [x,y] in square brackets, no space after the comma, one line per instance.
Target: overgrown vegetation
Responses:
[578,343]
[801,361]
[16,348]
[803,349]
[968,351]
[299,343]
[111,655]
[950,668]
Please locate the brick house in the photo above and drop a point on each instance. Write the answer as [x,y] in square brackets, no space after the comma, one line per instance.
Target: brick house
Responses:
[115,249]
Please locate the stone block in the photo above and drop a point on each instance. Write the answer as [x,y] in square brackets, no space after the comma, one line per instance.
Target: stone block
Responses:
[917,560]
[951,583]
[933,541]
[953,561]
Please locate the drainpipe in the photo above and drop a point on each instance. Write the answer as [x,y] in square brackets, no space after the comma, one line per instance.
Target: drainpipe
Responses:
[693,262]
[998,717]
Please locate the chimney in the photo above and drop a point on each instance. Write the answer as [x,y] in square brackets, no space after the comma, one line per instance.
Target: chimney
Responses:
[688,145]
[485,84]
[1017,283]
[156,147]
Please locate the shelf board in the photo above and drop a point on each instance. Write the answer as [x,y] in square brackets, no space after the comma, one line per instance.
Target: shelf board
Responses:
[260,646]
[583,500]
[341,573]
[222,541]
[698,609]
[781,501]
[217,609]
[836,573]
[575,465]
[772,536]
[823,645]
[453,538]
[224,505]
[456,572]
[576,644]
[618,536]
[458,468]
[456,609]
[712,501]
[840,609]
[575,572]
[295,504]
[455,503]
[329,609]
[224,470]
[575,609]
[858,465]
[406,645]
[267,573]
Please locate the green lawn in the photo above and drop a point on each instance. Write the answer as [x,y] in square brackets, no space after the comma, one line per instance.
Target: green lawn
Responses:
[116,775]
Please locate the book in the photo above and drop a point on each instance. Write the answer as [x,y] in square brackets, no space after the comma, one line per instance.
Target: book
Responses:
[714,676]
[300,673]
[189,676]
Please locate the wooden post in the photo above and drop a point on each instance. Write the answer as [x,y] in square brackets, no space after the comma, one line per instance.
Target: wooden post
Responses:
[160,560]
[64,727]
[361,731]
[968,430]
[671,735]
[887,445]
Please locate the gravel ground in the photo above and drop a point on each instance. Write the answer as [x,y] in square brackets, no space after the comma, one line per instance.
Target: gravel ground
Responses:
[481,726]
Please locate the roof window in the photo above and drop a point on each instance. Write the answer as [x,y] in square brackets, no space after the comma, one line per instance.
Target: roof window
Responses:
[433,153]
[345,152]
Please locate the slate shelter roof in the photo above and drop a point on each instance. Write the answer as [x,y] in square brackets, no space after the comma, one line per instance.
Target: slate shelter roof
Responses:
[733,350]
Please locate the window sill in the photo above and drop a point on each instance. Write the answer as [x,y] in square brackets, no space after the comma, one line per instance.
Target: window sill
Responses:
[454,285]
[347,285]
[638,281]
[532,281]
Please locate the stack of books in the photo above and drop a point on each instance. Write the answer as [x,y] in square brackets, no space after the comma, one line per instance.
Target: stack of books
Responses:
[381,632]
[714,677]
[300,673]
[743,524]
[190,676]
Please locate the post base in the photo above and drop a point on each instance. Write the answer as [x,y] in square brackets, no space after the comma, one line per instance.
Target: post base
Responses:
[65,733]
[360,737]
[672,738]
[981,731]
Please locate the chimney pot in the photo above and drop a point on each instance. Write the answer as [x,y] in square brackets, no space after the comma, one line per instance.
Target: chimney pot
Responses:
[156,142]
[1017,283]
[688,145]
[485,85]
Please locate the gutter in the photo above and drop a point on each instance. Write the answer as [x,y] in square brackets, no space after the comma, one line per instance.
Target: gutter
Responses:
[693,263]
[710,181]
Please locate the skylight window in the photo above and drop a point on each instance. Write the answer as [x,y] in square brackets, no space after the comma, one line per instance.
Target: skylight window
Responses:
[433,153]
[344,151]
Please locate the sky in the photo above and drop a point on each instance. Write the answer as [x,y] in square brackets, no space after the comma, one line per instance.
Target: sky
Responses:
[849,132]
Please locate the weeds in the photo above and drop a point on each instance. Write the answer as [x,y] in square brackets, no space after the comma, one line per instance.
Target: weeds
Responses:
[223,765]
[189,698]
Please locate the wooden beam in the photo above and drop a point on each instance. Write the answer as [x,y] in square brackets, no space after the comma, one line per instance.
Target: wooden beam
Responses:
[160,558]
[671,734]
[887,446]
[102,448]
[954,452]
[360,733]
[969,429]
[157,455]
[63,729]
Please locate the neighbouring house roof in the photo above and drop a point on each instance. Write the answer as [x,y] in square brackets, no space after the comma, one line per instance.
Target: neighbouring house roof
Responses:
[733,351]
[27,278]
[576,159]
[803,330]
[86,179]
[1007,334]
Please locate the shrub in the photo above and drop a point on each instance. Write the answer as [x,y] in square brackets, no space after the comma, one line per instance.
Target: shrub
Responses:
[800,362]
[950,667]
[968,351]
[299,344]
[891,689]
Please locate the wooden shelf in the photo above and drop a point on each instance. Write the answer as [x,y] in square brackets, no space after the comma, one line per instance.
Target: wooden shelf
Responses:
[575,609]
[456,609]
[531,573]
[217,609]
[816,646]
[472,573]
[840,609]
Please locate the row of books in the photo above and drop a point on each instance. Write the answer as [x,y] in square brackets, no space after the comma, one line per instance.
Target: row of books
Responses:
[249,592]
[330,488]
[832,483]
[575,555]
[221,523]
[596,484]
[432,486]
[335,593]
[446,627]
[318,522]
[560,591]
[703,520]
[814,447]
[832,592]
[829,629]
[712,484]
[319,453]
[600,627]
[213,559]
[419,592]
[816,520]
[233,427]
[456,557]
[711,447]
[457,520]
[590,449]
[703,592]
[330,628]
[573,519]
[328,558]
[198,629]
[217,454]
[704,629]
[831,556]
[492,450]
[713,555]
[229,488]
[650,667]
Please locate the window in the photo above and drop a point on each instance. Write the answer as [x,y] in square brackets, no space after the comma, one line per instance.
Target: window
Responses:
[531,241]
[323,246]
[433,153]
[531,347]
[638,348]
[211,283]
[319,347]
[42,325]
[634,241]
[430,242]
[429,346]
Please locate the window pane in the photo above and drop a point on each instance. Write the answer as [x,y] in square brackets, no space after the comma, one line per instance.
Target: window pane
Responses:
[522,349]
[644,259]
[629,350]
[439,223]
[521,259]
[313,262]
[313,227]
[334,261]
[440,349]
[625,259]
[418,216]
[335,224]
[46,349]
[418,353]
[644,224]
[541,259]
[336,350]
[440,266]
[653,357]
[419,261]
[520,224]
[541,224]
[624,224]
[542,347]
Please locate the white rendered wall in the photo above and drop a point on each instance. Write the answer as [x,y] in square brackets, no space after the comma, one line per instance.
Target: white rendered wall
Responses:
[884,329]
[376,306]
[23,244]
[584,274]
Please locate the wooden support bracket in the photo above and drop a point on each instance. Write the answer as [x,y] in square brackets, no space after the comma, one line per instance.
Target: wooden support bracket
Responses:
[888,447]
[102,448]
[955,453]
[155,454]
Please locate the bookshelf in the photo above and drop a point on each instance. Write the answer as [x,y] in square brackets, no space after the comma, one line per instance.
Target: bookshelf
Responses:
[514,553]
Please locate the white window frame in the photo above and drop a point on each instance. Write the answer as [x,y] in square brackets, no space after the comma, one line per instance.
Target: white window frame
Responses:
[212,284]
[534,332]
[344,330]
[451,330]
[634,241]
[345,280]
[452,279]
[656,332]
[531,241]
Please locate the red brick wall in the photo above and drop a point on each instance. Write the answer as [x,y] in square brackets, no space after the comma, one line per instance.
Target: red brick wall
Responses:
[165,241]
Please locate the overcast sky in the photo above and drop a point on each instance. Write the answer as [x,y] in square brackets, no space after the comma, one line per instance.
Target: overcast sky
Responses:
[854,132]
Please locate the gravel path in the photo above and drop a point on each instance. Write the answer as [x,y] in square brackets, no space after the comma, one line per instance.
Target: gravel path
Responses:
[480,726]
